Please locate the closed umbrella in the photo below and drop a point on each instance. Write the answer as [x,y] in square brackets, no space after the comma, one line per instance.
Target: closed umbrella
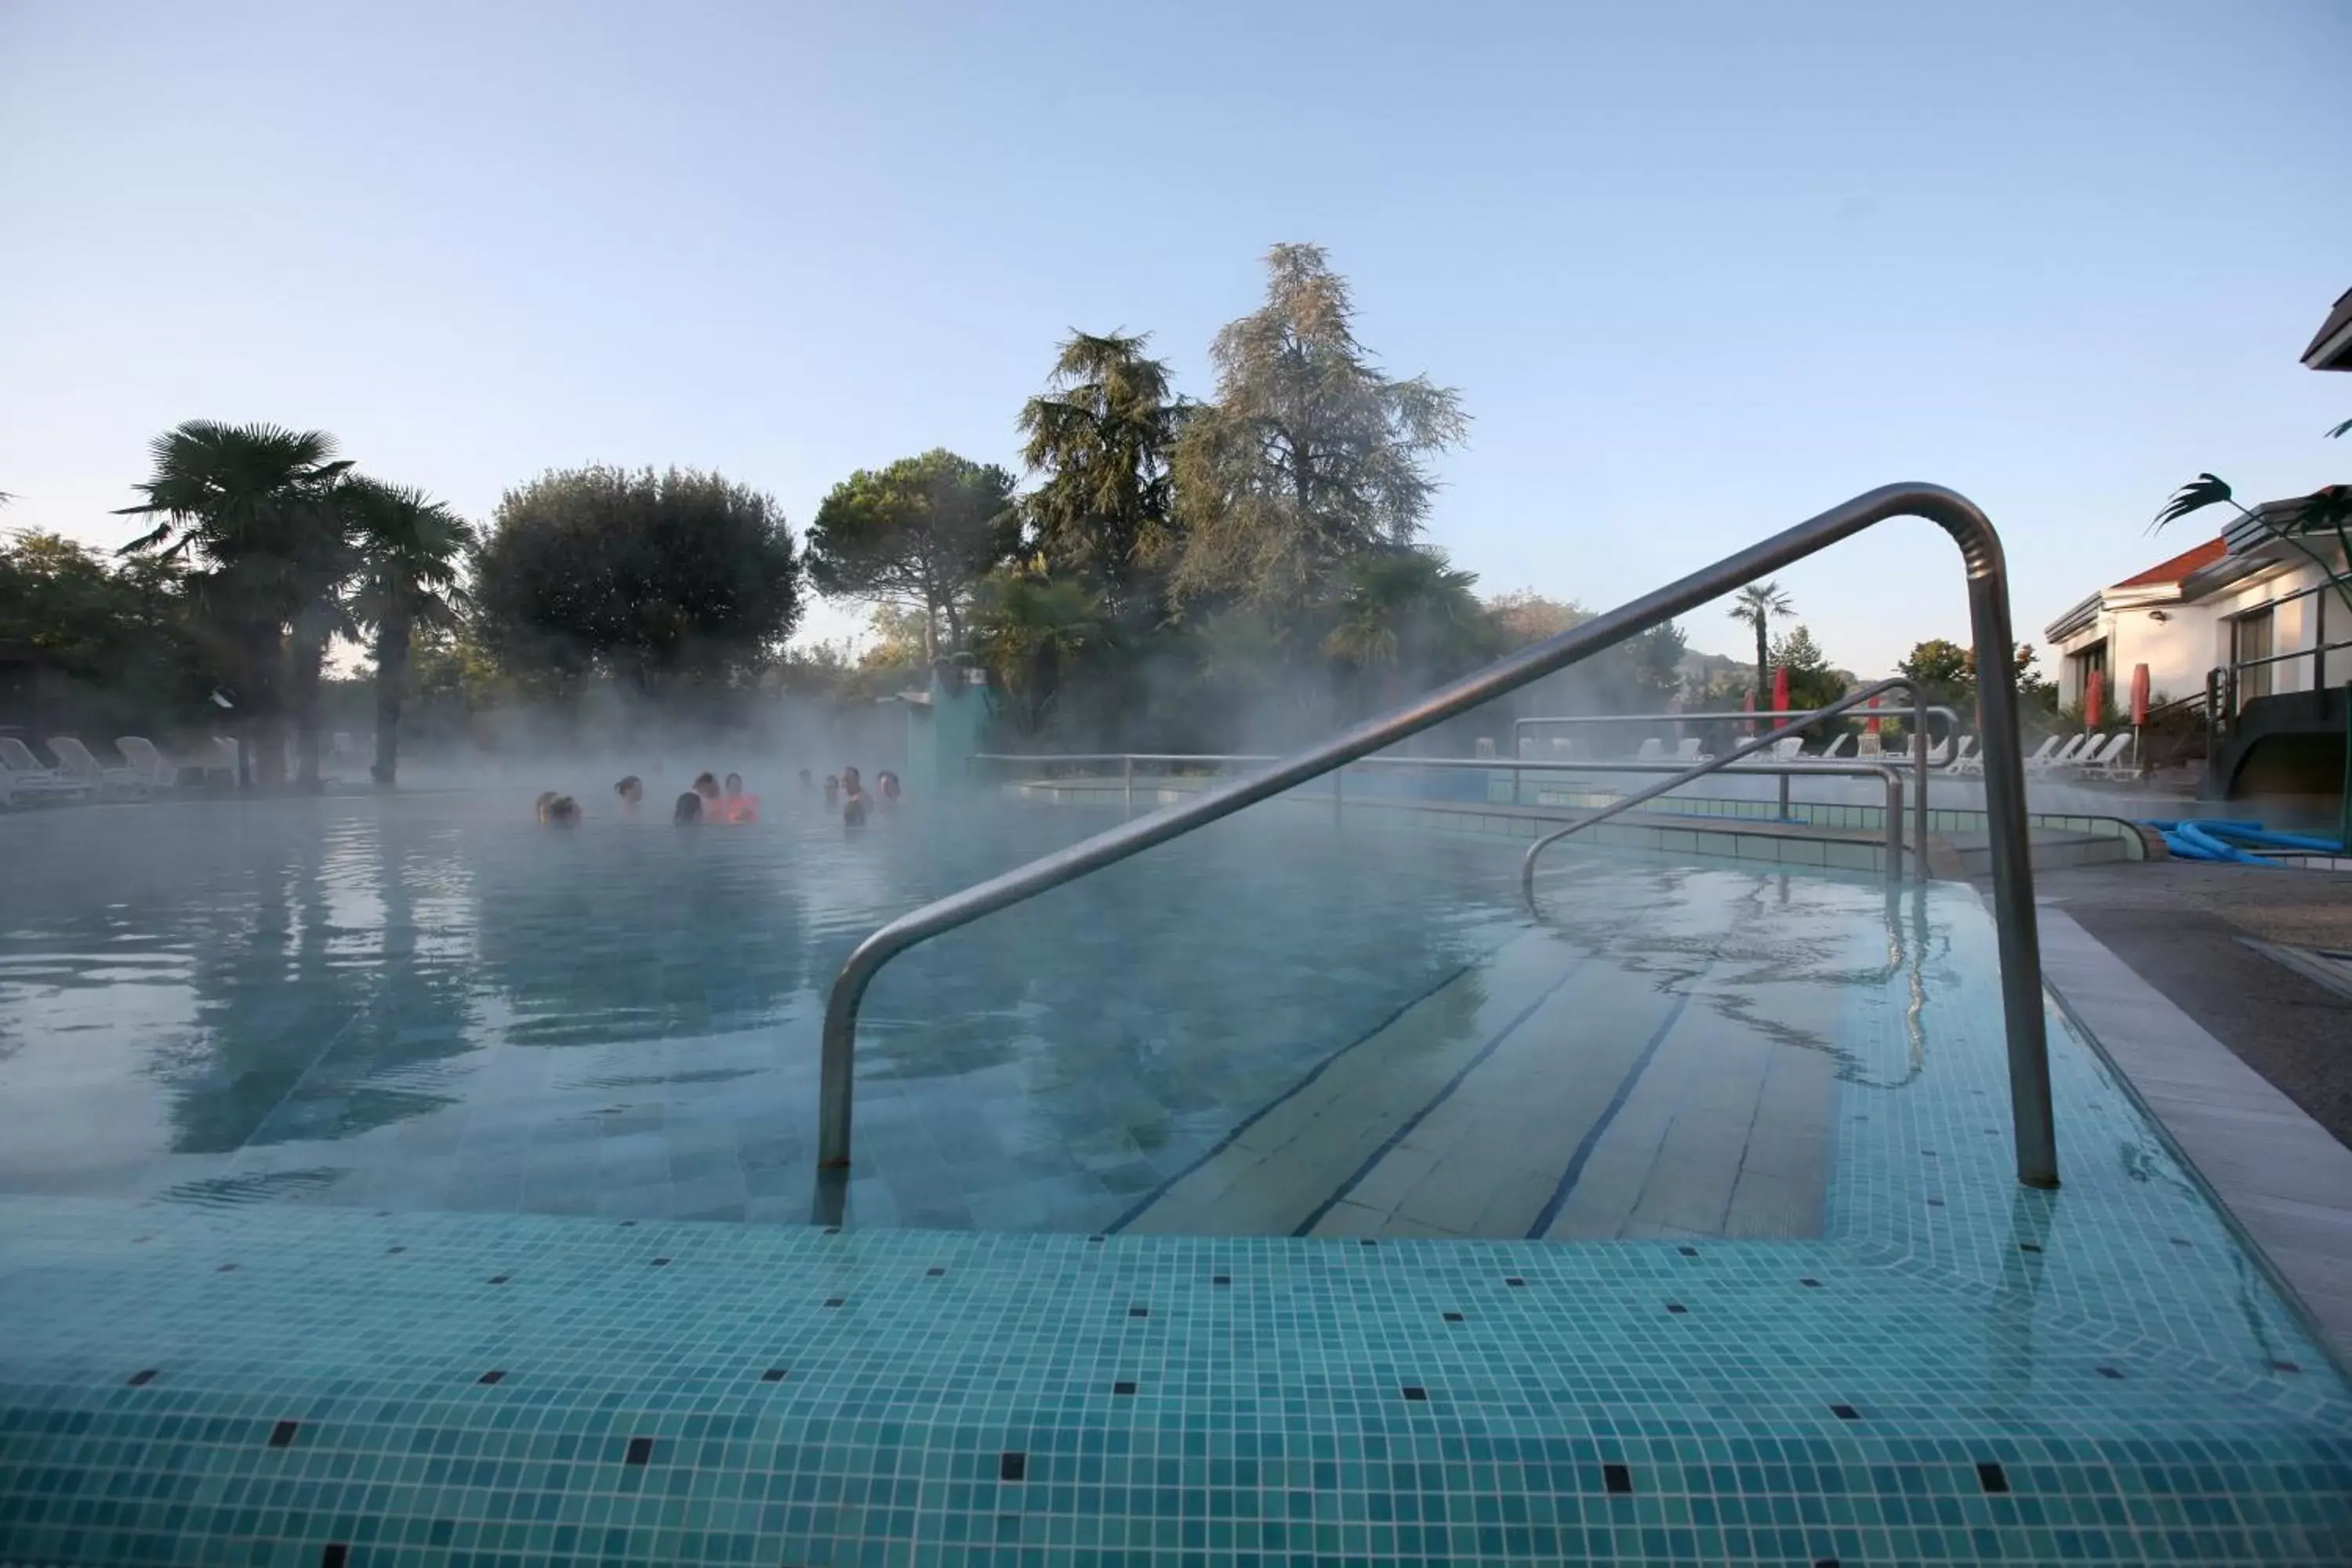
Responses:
[2094,690]
[1780,689]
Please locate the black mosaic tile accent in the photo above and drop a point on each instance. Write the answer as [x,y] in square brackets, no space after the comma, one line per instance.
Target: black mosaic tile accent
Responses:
[1618,1478]
[1415,1392]
[1139,1311]
[395,1249]
[1688,1252]
[1122,1386]
[1513,1279]
[1222,1280]
[1810,1283]
[2110,1371]
[933,1273]
[1676,1306]
[143,1377]
[1845,1413]
[773,1375]
[2287,1366]
[661,1262]
[282,1435]
[640,1452]
[1991,1477]
[334,1554]
[500,1279]
[1011,1465]
[1453,1317]
[835,1300]
[496,1374]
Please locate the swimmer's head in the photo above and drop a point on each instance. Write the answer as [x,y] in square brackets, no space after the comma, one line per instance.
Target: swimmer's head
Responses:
[706,786]
[688,808]
[734,785]
[806,779]
[547,797]
[849,780]
[563,811]
[631,789]
[888,781]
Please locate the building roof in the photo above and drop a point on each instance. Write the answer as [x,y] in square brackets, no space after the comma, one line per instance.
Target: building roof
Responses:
[2332,349]
[2179,567]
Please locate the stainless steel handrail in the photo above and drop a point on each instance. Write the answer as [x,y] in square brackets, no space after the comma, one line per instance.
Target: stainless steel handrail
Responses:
[1888,773]
[2004,783]
[1852,699]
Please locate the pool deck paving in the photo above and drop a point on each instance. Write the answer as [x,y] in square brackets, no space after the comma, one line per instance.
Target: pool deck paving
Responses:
[2284,1178]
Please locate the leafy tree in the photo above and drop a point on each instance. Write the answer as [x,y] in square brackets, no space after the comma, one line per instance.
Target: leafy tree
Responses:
[1812,682]
[411,549]
[120,630]
[1526,616]
[1756,604]
[1030,629]
[1945,669]
[920,534]
[253,505]
[1309,456]
[1101,435]
[653,577]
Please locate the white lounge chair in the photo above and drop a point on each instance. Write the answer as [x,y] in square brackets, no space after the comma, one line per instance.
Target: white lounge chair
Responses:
[2037,759]
[1789,750]
[2102,750]
[1653,751]
[2064,756]
[1940,752]
[1687,752]
[76,762]
[216,755]
[23,778]
[1966,760]
[1868,748]
[2118,765]
[157,770]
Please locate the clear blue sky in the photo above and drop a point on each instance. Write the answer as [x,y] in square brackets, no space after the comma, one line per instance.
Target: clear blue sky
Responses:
[1697,271]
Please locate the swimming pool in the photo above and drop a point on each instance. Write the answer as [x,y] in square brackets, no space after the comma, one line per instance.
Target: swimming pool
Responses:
[375,1180]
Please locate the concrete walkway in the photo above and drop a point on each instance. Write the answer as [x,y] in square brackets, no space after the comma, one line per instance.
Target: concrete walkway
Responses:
[2287,1180]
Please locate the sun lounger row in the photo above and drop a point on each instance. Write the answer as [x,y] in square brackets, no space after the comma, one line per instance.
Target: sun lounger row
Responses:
[78,774]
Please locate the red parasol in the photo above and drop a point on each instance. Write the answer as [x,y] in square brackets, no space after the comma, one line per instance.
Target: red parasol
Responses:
[1780,689]
[2139,695]
[2093,690]
[1873,725]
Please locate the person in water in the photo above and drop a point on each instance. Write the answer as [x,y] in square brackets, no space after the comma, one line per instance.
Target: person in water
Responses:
[735,806]
[547,797]
[808,780]
[707,786]
[887,783]
[687,810]
[853,804]
[632,790]
[832,788]
[561,812]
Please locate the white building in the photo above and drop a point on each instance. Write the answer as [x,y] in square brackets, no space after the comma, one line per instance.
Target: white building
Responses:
[2248,603]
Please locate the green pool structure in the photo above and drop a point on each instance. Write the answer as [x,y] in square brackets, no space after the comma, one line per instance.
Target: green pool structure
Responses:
[387,1180]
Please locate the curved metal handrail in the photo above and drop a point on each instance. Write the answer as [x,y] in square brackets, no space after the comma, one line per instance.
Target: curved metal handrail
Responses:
[1746,748]
[2004,782]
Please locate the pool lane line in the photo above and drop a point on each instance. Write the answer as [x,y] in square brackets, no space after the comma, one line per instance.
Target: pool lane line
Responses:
[1599,1128]
[1135,1211]
[1388,1146]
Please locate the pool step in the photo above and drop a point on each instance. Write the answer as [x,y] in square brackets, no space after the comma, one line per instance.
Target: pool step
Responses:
[1555,1091]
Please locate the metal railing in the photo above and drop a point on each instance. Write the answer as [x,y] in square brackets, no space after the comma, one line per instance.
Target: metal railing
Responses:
[1885,772]
[1920,712]
[2004,782]
[1749,748]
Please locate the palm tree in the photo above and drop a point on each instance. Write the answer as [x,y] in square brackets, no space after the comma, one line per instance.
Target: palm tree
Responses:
[1757,604]
[1031,628]
[253,503]
[410,549]
[2327,509]
[1400,604]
